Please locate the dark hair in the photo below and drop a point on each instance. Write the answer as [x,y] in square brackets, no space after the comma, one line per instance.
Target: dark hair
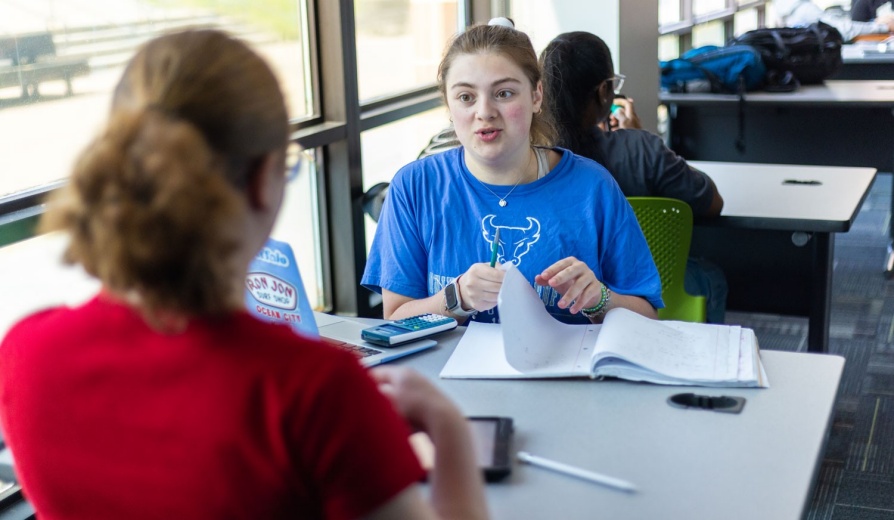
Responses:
[574,65]
[514,45]
[155,202]
[865,10]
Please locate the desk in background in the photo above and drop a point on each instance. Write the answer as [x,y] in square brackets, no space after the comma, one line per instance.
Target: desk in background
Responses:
[775,241]
[838,123]
[865,61]
[687,464]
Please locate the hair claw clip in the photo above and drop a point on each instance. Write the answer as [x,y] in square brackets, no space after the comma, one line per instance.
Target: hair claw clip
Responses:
[503,21]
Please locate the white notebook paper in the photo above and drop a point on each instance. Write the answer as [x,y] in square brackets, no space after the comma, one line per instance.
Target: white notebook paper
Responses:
[529,343]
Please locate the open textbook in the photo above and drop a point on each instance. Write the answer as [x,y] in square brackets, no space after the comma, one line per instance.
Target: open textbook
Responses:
[530,343]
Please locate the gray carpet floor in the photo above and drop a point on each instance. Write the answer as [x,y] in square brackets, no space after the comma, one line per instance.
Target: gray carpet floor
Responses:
[856,478]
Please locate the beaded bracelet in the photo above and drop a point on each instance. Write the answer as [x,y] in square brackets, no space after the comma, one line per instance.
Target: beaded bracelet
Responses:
[600,308]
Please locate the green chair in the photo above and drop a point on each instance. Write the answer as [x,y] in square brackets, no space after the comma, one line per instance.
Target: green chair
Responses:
[667,225]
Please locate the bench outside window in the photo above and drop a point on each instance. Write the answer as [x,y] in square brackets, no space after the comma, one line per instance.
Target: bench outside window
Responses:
[30,59]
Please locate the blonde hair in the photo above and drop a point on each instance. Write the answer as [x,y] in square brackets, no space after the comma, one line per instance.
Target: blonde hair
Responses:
[515,46]
[155,202]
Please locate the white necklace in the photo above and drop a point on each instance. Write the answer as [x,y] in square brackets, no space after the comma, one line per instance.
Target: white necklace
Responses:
[503,202]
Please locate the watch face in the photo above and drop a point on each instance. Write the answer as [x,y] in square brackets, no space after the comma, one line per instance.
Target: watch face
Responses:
[450,294]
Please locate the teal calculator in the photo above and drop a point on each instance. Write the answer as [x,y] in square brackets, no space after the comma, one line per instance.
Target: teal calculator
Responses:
[408,329]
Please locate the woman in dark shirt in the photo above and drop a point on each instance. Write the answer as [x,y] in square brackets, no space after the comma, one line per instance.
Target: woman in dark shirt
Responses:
[579,89]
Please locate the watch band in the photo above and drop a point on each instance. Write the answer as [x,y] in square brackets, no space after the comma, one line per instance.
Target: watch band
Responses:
[455,307]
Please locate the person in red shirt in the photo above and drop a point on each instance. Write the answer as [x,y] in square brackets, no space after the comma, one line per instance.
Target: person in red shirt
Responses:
[162,397]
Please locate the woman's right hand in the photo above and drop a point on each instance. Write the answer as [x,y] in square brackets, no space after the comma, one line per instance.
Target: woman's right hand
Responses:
[414,397]
[479,286]
[457,486]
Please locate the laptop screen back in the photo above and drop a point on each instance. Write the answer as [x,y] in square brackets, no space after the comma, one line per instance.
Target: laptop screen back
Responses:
[274,291]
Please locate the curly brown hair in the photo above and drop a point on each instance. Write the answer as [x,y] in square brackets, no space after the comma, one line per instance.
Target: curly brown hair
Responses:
[155,202]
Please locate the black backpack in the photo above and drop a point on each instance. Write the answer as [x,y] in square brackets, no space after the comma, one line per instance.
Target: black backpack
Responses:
[796,55]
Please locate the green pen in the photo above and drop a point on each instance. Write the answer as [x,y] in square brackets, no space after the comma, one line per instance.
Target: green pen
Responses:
[493,254]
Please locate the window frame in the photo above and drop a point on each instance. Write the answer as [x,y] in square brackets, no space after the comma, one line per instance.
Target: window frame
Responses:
[683,28]
[334,127]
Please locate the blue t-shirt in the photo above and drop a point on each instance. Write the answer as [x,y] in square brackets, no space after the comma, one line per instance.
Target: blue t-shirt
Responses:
[438,220]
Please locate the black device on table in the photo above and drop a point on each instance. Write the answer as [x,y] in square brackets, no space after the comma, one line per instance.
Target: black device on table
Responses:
[492,440]
[408,329]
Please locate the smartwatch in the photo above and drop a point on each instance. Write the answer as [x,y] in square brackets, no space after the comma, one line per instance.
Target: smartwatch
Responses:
[453,302]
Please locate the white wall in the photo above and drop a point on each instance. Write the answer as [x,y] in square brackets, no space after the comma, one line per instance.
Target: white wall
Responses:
[629,27]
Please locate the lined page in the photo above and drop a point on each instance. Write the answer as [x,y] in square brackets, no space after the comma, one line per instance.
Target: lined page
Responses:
[682,350]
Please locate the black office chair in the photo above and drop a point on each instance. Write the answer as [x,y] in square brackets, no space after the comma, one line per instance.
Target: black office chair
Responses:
[375,196]
[441,142]
[373,200]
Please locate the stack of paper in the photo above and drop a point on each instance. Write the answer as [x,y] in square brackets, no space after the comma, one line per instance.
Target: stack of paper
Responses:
[529,343]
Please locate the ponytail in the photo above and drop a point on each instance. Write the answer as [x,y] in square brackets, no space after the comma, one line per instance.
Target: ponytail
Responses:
[149,210]
[574,65]
[156,206]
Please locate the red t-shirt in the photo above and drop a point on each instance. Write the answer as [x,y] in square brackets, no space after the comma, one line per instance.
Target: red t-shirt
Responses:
[233,418]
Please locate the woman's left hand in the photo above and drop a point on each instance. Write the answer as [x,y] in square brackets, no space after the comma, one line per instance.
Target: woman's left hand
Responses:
[575,281]
[626,117]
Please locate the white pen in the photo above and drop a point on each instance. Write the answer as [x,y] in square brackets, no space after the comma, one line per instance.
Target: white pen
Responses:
[560,467]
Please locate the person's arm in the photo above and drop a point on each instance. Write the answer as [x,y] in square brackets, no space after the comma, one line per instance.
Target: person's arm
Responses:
[397,306]
[580,289]
[479,287]
[636,304]
[850,29]
[673,177]
[409,503]
[716,201]
[865,10]
[457,485]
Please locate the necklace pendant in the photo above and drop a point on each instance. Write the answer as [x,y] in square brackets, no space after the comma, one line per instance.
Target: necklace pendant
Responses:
[502,203]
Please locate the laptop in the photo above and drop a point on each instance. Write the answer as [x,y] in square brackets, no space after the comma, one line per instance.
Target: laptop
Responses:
[275,293]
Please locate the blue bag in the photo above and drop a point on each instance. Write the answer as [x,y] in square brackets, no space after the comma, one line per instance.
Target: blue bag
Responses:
[730,69]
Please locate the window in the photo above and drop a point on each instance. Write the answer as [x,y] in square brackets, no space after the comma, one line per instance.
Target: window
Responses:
[298,224]
[711,33]
[46,123]
[365,78]
[668,47]
[704,7]
[400,42]
[381,159]
[746,21]
[686,24]
[668,11]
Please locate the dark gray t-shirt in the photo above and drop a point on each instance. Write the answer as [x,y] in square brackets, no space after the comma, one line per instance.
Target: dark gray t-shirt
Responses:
[644,167]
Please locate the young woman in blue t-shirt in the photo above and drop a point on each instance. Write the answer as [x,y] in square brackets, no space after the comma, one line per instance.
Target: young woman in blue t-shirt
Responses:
[561,218]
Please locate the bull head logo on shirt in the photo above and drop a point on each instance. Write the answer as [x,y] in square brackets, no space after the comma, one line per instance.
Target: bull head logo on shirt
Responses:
[514,241]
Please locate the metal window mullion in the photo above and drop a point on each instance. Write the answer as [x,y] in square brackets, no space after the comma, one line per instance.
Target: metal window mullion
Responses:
[342,179]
